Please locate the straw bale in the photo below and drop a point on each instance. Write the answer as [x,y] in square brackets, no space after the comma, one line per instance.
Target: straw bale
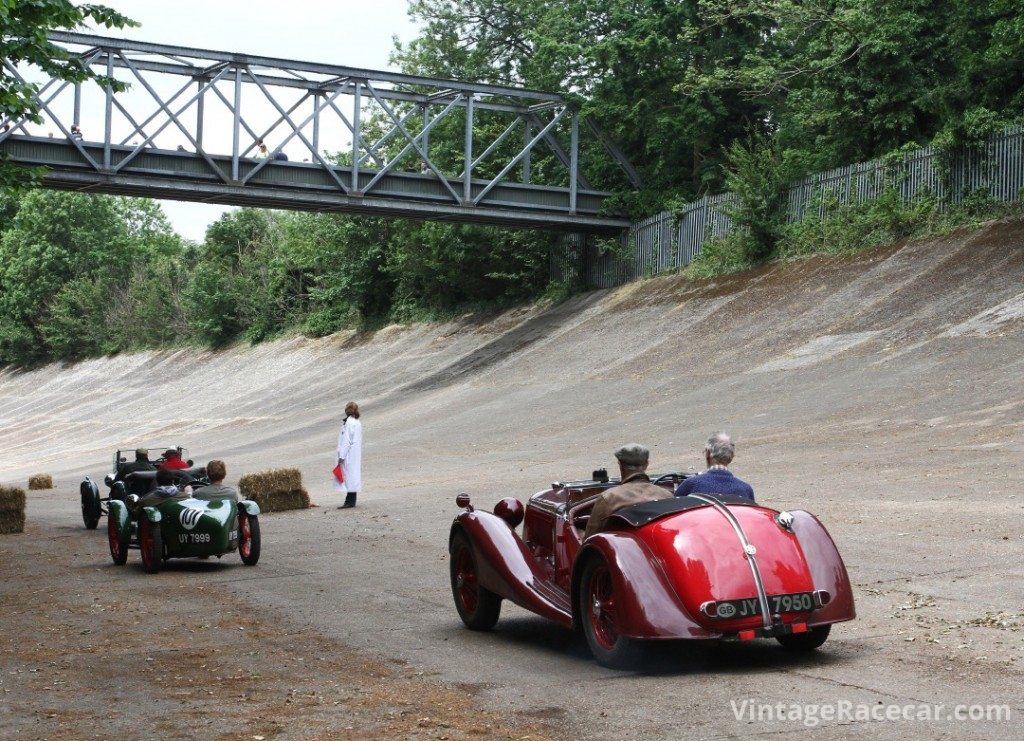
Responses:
[259,483]
[12,509]
[280,501]
[40,481]
[275,490]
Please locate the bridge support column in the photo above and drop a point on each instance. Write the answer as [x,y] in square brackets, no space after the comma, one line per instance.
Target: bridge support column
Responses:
[467,173]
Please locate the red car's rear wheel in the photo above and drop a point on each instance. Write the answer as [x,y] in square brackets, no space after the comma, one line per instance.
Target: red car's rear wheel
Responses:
[151,544]
[600,618]
[806,641]
[478,607]
[118,545]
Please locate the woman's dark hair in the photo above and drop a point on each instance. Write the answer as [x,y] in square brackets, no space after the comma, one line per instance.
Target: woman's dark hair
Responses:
[164,477]
[352,410]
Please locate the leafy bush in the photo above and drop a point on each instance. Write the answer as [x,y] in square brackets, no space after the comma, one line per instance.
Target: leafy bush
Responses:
[757,176]
[720,255]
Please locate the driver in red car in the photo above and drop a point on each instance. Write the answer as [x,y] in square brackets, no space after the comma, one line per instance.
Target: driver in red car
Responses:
[635,488]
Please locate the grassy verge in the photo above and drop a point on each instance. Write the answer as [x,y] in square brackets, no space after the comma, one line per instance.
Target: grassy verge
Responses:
[849,228]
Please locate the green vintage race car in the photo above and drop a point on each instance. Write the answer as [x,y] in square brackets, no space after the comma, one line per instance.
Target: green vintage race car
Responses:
[183,526]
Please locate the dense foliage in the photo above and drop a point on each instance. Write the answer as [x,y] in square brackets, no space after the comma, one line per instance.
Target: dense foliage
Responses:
[83,275]
[702,96]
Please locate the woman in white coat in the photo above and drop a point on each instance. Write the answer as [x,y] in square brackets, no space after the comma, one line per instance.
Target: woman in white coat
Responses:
[350,454]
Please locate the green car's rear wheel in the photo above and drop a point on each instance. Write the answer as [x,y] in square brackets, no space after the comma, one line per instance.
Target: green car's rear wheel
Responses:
[248,538]
[151,544]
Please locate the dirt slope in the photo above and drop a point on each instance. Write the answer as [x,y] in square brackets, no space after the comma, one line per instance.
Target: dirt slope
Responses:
[884,392]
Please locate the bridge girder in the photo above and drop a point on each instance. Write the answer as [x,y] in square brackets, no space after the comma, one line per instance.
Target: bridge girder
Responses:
[213,126]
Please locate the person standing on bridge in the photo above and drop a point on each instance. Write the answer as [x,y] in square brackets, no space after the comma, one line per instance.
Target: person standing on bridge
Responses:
[719,451]
[350,455]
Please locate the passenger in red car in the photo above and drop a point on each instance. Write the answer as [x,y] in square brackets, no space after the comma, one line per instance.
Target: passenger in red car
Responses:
[635,488]
[172,460]
[719,451]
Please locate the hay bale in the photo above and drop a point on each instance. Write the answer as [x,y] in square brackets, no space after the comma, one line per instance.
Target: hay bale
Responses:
[275,490]
[40,481]
[12,509]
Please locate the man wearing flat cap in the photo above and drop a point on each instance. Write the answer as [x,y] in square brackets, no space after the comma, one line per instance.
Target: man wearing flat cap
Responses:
[141,463]
[635,488]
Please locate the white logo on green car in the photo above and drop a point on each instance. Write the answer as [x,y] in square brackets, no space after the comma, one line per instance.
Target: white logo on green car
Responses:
[189,517]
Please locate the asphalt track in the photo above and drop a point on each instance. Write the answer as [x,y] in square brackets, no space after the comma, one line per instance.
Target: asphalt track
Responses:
[883,392]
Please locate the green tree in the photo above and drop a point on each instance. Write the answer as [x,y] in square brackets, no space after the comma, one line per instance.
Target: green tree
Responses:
[757,176]
[849,80]
[23,41]
[54,239]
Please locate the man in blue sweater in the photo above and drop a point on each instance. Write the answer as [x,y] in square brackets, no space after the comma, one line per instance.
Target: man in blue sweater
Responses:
[717,479]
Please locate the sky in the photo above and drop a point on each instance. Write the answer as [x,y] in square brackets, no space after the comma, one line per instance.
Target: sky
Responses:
[355,33]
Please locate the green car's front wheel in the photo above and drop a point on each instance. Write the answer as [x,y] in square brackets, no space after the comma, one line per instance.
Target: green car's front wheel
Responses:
[118,542]
[248,538]
[151,544]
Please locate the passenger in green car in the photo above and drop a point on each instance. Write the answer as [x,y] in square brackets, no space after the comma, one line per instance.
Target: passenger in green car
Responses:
[216,471]
[165,489]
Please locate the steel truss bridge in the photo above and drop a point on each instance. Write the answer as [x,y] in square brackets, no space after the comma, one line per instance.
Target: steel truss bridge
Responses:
[191,123]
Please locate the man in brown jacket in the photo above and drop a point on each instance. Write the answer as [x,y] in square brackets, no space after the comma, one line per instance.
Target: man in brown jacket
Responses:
[634,489]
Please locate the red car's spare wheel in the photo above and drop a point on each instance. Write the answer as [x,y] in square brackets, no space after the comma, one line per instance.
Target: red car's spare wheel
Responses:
[478,607]
[599,616]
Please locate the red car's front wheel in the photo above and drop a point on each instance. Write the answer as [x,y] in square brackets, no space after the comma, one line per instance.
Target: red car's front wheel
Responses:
[478,607]
[600,618]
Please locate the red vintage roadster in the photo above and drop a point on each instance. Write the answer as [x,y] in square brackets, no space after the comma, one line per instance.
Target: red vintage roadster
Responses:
[694,567]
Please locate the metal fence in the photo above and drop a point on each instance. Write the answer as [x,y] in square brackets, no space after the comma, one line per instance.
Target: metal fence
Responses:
[671,240]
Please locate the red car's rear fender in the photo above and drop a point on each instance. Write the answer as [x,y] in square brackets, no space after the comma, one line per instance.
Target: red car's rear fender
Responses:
[506,567]
[827,569]
[646,603]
